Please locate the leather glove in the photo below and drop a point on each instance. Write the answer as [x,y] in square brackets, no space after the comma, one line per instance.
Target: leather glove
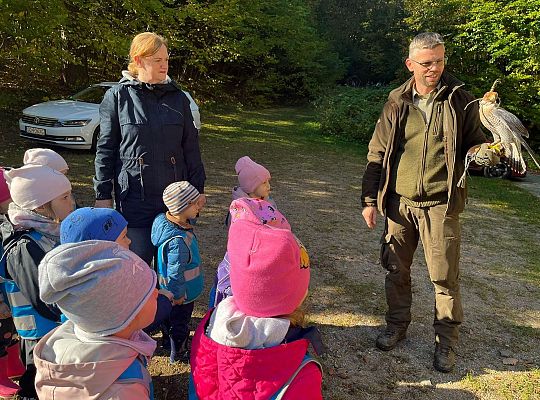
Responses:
[486,156]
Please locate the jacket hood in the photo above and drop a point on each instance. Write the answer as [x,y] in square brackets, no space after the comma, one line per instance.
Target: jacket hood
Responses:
[238,193]
[77,366]
[128,79]
[163,229]
[231,327]
[447,80]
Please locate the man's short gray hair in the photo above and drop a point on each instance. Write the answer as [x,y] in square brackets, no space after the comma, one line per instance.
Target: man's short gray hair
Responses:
[426,40]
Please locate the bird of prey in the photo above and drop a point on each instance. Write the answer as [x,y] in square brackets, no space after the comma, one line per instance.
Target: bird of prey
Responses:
[506,128]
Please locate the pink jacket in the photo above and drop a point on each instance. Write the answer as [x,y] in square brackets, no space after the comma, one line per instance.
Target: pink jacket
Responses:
[222,373]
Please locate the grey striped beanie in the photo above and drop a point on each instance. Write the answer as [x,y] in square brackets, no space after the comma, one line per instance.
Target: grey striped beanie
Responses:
[178,195]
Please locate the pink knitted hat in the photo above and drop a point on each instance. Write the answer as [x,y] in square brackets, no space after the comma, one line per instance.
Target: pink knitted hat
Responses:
[259,211]
[250,174]
[267,276]
[4,191]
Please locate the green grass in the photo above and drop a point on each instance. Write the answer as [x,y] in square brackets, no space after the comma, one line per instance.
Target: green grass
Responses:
[505,385]
[503,196]
[512,205]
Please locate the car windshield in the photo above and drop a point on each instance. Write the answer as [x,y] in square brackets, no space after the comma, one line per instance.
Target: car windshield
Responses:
[93,94]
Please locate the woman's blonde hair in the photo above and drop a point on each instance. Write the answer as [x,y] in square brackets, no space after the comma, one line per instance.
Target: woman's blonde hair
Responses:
[144,45]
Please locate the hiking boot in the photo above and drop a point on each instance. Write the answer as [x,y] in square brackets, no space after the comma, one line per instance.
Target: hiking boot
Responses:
[388,339]
[444,358]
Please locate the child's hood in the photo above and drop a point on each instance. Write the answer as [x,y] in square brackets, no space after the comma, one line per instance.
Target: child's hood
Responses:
[76,366]
[238,193]
[163,229]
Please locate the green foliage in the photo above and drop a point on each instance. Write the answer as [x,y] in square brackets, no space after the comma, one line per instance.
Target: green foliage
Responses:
[486,40]
[368,34]
[255,51]
[351,113]
[503,37]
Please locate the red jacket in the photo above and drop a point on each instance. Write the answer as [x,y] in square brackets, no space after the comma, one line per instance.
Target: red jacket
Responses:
[222,373]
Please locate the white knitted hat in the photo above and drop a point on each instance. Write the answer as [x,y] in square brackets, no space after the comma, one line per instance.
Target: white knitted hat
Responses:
[33,185]
[47,157]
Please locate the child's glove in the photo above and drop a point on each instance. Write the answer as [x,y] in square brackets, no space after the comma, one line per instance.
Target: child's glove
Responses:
[5,312]
[486,155]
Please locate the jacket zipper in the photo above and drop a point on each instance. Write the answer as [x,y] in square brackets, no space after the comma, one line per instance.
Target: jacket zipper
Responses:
[141,164]
[173,162]
[424,152]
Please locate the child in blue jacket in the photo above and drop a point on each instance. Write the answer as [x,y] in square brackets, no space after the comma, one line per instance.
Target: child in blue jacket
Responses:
[179,261]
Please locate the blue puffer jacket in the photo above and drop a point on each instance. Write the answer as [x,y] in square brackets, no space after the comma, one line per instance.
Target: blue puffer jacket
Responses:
[147,141]
[179,270]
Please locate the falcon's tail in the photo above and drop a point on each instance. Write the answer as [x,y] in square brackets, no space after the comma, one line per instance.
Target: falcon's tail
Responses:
[515,158]
[531,152]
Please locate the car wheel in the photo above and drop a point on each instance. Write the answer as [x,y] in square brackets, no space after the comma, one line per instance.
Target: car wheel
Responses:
[95,138]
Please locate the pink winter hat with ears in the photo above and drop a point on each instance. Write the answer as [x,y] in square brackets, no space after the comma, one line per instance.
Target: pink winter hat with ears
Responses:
[259,211]
[47,157]
[250,174]
[4,190]
[268,278]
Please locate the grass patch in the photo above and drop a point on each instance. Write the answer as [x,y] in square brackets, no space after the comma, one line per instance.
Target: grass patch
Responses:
[505,385]
[503,196]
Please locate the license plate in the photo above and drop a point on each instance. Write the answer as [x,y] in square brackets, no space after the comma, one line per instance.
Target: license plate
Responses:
[35,131]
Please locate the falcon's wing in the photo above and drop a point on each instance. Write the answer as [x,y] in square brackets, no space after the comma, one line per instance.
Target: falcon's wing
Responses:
[511,121]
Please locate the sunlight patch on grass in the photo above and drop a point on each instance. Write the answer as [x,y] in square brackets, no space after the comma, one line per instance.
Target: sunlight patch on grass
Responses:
[343,319]
[505,385]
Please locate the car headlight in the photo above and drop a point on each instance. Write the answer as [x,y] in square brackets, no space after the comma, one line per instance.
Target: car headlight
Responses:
[74,122]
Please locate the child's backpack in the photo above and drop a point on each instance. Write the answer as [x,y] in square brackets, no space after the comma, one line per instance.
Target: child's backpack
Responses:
[29,323]
[193,273]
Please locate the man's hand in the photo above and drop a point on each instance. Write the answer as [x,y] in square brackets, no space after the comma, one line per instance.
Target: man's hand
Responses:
[104,203]
[370,216]
[486,156]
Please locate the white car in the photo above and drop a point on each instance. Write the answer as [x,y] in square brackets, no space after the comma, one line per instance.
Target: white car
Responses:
[74,123]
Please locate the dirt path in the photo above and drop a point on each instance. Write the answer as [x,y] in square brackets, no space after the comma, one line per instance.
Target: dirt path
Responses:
[317,185]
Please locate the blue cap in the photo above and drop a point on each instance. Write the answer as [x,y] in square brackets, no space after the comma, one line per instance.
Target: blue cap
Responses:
[89,223]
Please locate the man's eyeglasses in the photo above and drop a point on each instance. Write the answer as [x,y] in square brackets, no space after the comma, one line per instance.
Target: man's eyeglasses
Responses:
[430,64]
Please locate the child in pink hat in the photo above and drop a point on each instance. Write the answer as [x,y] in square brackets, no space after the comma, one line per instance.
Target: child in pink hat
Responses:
[253,190]
[253,344]
[10,362]
[259,211]
[253,179]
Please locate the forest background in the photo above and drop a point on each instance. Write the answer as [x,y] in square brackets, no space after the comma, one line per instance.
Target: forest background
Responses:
[342,55]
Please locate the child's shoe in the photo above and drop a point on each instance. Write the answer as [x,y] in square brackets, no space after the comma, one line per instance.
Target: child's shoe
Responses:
[15,366]
[8,388]
[179,352]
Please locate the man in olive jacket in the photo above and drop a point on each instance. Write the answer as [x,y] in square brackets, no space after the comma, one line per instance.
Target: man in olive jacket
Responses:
[416,157]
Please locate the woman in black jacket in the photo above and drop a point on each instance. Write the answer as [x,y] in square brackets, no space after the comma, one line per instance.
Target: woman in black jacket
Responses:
[147,141]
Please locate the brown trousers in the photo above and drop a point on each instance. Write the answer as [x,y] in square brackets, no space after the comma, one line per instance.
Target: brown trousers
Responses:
[441,237]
